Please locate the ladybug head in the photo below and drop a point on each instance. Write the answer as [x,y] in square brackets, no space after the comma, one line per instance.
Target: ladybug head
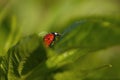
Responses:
[56,34]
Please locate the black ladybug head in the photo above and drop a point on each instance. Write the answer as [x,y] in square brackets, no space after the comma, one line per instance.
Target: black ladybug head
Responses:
[56,34]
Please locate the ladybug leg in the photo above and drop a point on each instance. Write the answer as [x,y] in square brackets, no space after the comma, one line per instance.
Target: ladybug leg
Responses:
[51,45]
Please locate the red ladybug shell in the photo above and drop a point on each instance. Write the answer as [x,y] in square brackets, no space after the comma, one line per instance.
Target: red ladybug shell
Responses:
[48,39]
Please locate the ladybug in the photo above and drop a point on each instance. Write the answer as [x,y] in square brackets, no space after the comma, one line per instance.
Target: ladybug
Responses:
[50,38]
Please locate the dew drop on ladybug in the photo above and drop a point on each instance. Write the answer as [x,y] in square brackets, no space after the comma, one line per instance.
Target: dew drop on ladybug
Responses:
[50,38]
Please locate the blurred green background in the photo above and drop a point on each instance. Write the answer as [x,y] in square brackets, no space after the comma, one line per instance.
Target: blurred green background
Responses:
[100,36]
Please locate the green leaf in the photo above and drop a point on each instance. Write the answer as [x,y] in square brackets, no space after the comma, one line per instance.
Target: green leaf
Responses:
[23,57]
[94,34]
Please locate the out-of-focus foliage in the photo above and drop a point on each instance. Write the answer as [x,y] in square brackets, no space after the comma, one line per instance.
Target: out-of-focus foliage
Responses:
[89,47]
